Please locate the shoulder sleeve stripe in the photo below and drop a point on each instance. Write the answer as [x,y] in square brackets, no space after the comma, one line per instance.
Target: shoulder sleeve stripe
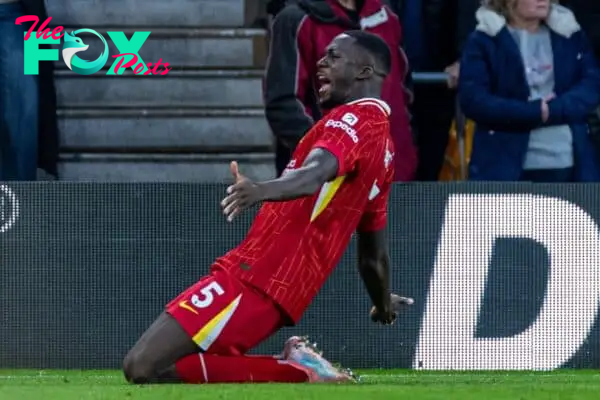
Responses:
[380,104]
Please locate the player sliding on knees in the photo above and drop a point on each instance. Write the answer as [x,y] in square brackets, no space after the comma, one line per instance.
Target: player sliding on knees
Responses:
[337,183]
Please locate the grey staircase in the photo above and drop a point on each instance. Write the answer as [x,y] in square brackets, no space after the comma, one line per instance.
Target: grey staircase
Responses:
[198,89]
[184,126]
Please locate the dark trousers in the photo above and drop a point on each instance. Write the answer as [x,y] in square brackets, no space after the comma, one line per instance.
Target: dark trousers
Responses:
[283,155]
[433,111]
[561,175]
[18,102]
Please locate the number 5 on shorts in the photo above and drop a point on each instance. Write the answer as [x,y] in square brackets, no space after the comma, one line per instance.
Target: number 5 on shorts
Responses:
[207,295]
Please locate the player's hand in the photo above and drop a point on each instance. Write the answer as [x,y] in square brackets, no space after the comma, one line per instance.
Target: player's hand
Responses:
[241,195]
[386,317]
[397,304]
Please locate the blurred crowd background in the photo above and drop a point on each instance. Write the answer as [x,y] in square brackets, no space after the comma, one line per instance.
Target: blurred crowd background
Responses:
[492,90]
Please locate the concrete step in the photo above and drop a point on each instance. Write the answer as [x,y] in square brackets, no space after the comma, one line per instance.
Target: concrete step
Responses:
[139,130]
[178,88]
[93,13]
[208,168]
[187,47]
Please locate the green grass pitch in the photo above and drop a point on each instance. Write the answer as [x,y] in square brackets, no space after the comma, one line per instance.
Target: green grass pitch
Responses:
[376,385]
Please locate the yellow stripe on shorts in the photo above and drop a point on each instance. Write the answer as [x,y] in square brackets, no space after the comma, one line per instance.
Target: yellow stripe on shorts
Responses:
[211,331]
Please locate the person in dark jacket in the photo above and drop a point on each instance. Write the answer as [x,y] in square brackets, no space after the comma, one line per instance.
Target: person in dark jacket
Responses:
[433,34]
[29,131]
[529,79]
[587,14]
[300,33]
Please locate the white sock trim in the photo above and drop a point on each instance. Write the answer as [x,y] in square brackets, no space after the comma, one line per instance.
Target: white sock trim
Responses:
[203,367]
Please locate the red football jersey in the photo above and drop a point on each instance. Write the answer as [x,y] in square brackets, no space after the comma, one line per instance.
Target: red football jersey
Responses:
[293,246]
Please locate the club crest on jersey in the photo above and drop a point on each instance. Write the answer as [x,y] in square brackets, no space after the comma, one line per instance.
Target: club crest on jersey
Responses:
[291,165]
[350,119]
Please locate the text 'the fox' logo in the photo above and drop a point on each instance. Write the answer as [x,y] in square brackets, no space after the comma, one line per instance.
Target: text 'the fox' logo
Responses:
[38,47]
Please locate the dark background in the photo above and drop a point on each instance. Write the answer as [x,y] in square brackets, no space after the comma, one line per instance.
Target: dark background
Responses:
[87,267]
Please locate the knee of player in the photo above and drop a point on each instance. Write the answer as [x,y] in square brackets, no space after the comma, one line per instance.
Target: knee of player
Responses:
[137,368]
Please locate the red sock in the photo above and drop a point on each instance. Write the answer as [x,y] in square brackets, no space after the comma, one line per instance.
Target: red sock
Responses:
[210,368]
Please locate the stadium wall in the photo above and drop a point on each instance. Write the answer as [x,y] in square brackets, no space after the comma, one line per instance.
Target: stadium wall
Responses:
[505,276]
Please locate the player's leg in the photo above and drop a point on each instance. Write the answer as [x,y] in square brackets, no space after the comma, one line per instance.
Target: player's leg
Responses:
[243,320]
[152,359]
[205,334]
[255,319]
[171,336]
[217,316]
[300,362]
[212,368]
[166,354]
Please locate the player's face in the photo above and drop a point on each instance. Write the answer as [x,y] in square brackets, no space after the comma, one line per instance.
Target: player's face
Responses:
[336,72]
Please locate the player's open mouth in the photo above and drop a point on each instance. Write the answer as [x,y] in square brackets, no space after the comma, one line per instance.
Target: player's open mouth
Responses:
[324,84]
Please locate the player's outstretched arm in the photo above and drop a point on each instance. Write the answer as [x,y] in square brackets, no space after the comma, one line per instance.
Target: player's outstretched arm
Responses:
[319,167]
[374,268]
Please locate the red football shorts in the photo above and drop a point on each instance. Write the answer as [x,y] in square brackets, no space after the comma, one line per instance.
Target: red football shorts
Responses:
[225,317]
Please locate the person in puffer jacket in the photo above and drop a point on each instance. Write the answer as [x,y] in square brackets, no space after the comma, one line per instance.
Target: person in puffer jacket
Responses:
[529,80]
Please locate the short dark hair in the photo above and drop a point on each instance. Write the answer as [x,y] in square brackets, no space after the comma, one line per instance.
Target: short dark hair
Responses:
[376,46]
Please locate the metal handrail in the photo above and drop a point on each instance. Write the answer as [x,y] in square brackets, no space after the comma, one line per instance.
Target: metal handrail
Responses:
[439,78]
[430,77]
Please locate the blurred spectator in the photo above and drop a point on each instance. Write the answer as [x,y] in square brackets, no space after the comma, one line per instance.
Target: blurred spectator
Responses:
[27,102]
[300,33]
[433,34]
[256,12]
[531,111]
[587,14]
